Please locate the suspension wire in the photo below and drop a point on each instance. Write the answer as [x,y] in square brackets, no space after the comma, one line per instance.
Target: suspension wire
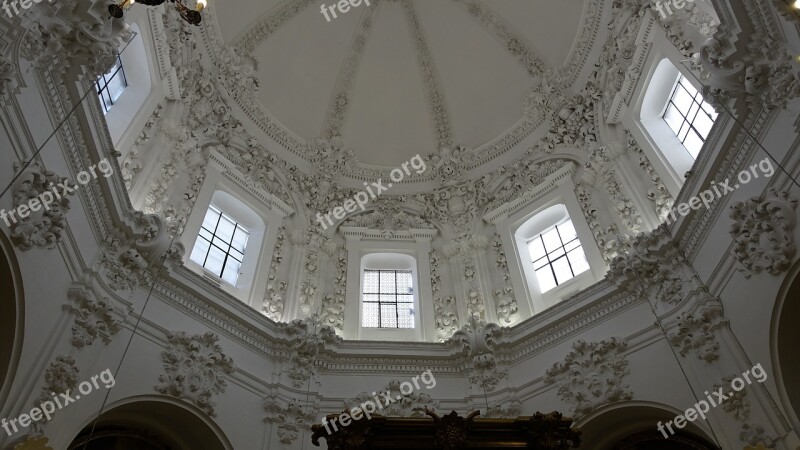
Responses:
[130,340]
[741,125]
[313,362]
[641,286]
[55,130]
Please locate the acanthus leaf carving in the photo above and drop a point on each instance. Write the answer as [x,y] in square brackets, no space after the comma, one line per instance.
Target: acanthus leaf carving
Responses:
[404,405]
[44,227]
[94,318]
[591,375]
[763,233]
[290,418]
[696,330]
[481,340]
[195,369]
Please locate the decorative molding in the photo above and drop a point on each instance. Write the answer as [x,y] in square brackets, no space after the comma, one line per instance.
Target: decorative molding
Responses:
[44,227]
[276,288]
[195,369]
[697,330]
[403,405]
[591,375]
[60,377]
[763,233]
[94,318]
[290,418]
[481,339]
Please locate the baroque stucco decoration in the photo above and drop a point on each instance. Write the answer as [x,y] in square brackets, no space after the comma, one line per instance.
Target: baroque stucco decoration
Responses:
[697,330]
[60,377]
[291,419]
[95,318]
[195,369]
[44,227]
[591,375]
[306,337]
[481,341]
[763,233]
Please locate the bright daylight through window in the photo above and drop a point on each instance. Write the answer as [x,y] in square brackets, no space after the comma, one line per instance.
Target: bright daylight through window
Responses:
[689,116]
[219,247]
[388,299]
[110,85]
[557,255]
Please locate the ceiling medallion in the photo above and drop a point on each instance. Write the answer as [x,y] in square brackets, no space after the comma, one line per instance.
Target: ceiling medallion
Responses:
[190,15]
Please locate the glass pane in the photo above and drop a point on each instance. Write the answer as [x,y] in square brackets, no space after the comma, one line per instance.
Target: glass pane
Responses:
[388,282]
[404,283]
[540,262]
[567,231]
[703,124]
[555,254]
[214,261]
[687,85]
[572,244]
[405,313]
[221,244]
[693,143]
[240,239]
[206,234]
[551,240]
[684,130]
[682,100]
[673,118]
[370,297]
[236,255]
[388,316]
[199,251]
[370,282]
[693,112]
[545,278]
[231,273]
[562,270]
[405,298]
[578,260]
[388,298]
[115,86]
[369,318]
[536,249]
[210,220]
[225,230]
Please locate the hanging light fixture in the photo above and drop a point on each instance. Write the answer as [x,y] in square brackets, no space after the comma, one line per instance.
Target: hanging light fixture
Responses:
[192,16]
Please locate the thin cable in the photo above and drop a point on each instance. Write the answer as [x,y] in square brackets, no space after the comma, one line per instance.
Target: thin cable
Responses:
[641,285]
[738,122]
[128,345]
[55,130]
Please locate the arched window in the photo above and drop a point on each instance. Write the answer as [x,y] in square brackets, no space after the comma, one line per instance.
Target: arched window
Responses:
[388,297]
[551,252]
[675,118]
[221,244]
[689,116]
[228,243]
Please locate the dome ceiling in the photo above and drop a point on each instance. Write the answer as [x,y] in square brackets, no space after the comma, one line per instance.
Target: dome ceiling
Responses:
[400,77]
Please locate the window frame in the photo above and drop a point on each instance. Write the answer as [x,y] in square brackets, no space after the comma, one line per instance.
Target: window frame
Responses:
[380,302]
[681,83]
[227,252]
[107,79]
[547,254]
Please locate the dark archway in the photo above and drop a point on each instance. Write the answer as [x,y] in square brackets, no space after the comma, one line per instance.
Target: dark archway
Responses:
[151,423]
[12,323]
[650,440]
[785,334]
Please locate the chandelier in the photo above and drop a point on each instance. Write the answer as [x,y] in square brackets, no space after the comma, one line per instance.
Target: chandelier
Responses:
[190,15]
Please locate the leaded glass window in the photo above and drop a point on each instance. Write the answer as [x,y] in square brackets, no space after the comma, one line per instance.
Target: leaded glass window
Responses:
[220,246]
[387,299]
[557,255]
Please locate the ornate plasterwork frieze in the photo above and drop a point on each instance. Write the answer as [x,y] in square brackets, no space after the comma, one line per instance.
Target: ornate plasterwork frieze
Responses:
[195,367]
[44,227]
[591,375]
[388,215]
[481,340]
[514,42]
[332,311]
[131,164]
[464,252]
[306,338]
[697,330]
[73,32]
[505,301]
[658,193]
[444,308]
[276,288]
[59,377]
[763,233]
[290,418]
[95,318]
